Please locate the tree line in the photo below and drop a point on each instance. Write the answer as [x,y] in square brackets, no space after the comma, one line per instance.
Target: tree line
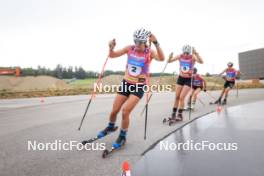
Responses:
[70,72]
[62,72]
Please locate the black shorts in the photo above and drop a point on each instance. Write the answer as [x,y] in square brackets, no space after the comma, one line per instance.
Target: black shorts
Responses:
[184,81]
[197,87]
[229,84]
[126,89]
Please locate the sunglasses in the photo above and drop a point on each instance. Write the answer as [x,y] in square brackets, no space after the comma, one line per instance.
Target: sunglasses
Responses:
[139,42]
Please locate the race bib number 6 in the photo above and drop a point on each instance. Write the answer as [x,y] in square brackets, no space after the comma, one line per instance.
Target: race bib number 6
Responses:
[185,67]
[230,75]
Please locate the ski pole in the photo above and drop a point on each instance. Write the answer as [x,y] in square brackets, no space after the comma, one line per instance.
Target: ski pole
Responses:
[94,92]
[239,74]
[147,95]
[190,113]
[210,95]
[146,120]
[191,89]
[161,73]
[201,101]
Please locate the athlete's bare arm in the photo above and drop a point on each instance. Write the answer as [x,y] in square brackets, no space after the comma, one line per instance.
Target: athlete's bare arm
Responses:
[117,53]
[220,74]
[237,72]
[158,54]
[197,57]
[172,59]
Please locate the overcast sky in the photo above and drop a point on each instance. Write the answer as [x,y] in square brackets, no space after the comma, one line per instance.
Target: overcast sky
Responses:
[76,32]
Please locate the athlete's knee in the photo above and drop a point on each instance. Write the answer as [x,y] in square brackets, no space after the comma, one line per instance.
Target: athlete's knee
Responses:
[115,111]
[125,112]
[181,98]
[177,97]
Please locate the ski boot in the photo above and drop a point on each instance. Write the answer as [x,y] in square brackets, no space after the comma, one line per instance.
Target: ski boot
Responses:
[173,117]
[224,102]
[121,140]
[106,131]
[172,120]
[179,117]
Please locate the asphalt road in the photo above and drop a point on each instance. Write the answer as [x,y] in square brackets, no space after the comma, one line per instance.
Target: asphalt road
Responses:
[57,118]
[228,143]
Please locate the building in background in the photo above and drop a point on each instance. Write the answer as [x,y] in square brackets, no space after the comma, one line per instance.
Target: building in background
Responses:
[251,64]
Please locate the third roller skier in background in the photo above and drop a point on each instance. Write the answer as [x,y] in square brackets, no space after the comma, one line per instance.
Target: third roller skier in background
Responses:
[198,85]
[230,77]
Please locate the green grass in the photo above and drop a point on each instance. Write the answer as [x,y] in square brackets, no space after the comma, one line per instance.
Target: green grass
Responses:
[80,83]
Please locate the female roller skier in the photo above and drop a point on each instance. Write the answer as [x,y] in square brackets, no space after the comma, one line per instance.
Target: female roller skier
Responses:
[198,85]
[139,57]
[187,60]
[230,76]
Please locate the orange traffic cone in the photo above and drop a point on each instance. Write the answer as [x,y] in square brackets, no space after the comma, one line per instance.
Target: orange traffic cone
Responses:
[125,169]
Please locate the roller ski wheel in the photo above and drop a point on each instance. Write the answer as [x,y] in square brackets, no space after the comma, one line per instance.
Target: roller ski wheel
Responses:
[107,152]
[171,122]
[84,142]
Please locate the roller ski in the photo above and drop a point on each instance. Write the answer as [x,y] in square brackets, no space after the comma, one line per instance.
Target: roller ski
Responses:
[224,102]
[173,119]
[188,109]
[167,120]
[119,144]
[108,130]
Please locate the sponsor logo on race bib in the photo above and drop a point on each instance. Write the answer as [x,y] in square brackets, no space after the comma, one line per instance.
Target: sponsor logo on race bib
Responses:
[135,65]
[185,66]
